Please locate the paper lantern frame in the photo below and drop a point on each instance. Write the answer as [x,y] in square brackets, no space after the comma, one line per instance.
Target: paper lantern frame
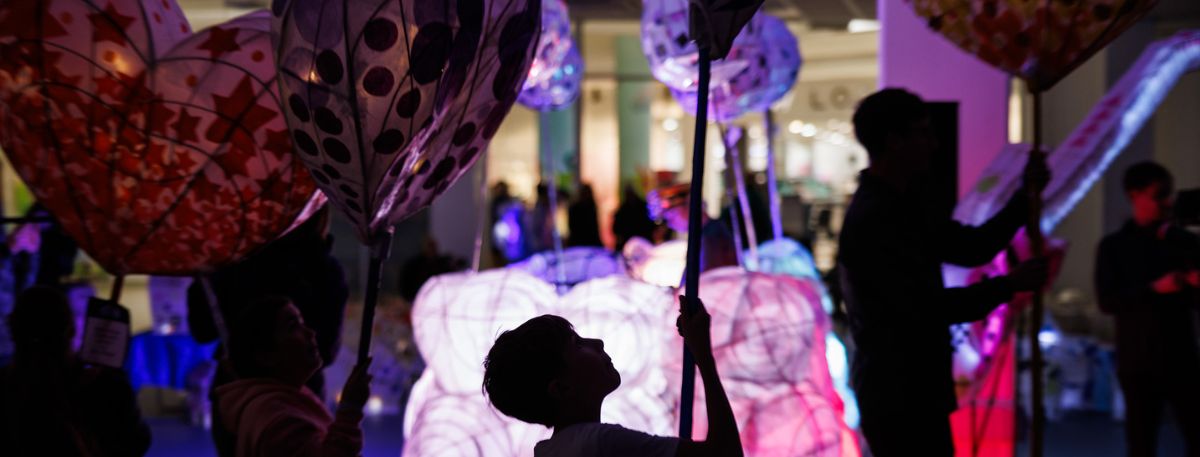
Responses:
[160,151]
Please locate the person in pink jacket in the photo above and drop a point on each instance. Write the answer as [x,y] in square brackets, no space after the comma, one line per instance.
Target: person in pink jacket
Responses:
[268,409]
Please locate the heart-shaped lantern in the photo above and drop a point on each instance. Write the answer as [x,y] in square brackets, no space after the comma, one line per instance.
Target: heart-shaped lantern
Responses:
[1040,41]
[390,102]
[160,151]
[457,317]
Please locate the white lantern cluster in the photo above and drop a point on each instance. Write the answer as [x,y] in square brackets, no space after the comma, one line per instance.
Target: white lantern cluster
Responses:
[456,319]
[769,338]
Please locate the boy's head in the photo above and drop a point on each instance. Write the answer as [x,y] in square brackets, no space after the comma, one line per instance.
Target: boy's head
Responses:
[1150,189]
[893,125]
[270,340]
[543,370]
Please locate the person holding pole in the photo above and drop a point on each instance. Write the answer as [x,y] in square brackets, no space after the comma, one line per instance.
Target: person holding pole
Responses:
[894,241]
[543,372]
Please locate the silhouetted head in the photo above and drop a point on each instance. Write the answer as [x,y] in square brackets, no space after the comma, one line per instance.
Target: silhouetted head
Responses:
[894,127]
[1151,191]
[586,193]
[42,324]
[270,340]
[629,193]
[543,370]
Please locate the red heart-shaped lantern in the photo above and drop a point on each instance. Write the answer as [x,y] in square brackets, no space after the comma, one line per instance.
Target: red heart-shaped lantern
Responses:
[1040,41]
[160,151]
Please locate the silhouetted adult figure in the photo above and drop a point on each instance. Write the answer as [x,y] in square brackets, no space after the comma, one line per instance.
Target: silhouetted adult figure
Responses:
[539,223]
[1148,278]
[892,247]
[50,402]
[582,220]
[632,219]
[429,262]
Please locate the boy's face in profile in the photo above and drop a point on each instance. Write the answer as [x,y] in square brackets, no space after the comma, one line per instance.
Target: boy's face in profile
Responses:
[589,374]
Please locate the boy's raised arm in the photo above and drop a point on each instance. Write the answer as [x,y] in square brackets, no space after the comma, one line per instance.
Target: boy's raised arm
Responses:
[723,439]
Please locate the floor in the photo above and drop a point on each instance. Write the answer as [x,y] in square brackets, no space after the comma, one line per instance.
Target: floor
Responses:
[1077,435]
[1099,436]
[175,438]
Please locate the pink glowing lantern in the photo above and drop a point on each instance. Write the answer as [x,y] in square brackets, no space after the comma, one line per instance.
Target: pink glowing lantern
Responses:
[762,324]
[769,342]
[388,120]
[457,317]
[160,151]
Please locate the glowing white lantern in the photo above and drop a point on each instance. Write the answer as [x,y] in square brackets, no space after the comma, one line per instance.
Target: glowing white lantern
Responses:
[660,265]
[457,317]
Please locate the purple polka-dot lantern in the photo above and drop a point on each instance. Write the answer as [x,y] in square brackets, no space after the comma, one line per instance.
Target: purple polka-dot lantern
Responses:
[761,67]
[390,101]
[557,69]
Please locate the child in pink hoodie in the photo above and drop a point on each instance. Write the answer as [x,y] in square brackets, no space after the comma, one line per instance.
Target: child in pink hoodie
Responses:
[268,409]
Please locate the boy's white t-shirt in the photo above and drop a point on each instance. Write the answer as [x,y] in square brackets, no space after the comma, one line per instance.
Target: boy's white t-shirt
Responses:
[605,440]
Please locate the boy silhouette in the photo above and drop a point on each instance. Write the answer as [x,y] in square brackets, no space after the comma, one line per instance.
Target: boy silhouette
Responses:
[542,372]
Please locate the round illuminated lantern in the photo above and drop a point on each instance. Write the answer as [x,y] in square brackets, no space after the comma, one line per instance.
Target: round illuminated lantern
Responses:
[762,324]
[557,70]
[560,86]
[457,317]
[772,59]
